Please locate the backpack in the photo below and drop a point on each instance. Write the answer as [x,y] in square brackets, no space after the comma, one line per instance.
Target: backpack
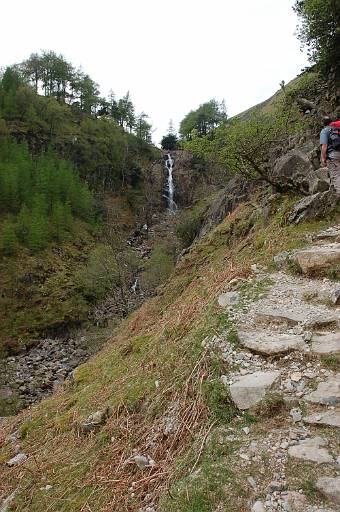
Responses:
[334,136]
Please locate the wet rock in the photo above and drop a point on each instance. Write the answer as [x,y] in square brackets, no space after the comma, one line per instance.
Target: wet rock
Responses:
[327,418]
[249,390]
[18,459]
[329,487]
[311,450]
[327,392]
[271,343]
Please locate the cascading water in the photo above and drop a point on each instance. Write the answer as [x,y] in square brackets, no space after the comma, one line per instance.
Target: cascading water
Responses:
[170,188]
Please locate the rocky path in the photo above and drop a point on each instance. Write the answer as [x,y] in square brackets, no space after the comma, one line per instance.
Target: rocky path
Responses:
[287,350]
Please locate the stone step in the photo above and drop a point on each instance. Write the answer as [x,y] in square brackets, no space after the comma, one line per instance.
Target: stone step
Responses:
[331,234]
[327,418]
[328,343]
[317,259]
[271,343]
[249,390]
[327,392]
[312,450]
[305,316]
[329,487]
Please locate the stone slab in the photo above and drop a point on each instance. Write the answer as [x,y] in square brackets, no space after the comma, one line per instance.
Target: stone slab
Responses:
[317,258]
[249,390]
[312,450]
[329,487]
[327,392]
[328,343]
[327,418]
[267,343]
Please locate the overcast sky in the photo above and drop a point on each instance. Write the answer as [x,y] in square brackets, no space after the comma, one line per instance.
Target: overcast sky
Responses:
[171,55]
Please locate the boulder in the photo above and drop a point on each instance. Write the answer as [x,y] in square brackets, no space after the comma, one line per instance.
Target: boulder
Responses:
[315,206]
[327,418]
[326,344]
[327,392]
[291,171]
[249,390]
[318,258]
[318,181]
[311,450]
[329,487]
[271,343]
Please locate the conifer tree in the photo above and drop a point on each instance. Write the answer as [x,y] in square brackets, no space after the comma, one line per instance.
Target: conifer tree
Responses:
[8,239]
[23,224]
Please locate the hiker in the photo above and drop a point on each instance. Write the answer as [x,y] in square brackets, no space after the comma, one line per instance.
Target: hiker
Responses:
[330,150]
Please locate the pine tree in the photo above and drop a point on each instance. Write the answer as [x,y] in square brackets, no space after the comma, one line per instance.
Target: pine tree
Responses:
[58,220]
[23,224]
[37,237]
[8,239]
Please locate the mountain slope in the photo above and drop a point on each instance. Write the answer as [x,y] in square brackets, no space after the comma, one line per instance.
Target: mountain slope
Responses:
[167,403]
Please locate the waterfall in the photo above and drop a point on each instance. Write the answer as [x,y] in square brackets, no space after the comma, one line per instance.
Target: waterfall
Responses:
[134,286]
[170,188]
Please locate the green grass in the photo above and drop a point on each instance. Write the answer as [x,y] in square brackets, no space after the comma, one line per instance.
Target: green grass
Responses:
[332,362]
[202,491]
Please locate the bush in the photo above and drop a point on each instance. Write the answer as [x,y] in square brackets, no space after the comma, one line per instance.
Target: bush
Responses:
[158,268]
[188,229]
[99,275]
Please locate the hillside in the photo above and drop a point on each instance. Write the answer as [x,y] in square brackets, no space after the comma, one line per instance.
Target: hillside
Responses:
[166,433]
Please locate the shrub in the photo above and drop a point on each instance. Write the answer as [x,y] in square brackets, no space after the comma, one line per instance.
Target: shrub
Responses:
[158,268]
[188,229]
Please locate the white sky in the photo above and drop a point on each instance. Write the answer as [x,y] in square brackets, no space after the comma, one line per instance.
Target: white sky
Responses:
[171,55]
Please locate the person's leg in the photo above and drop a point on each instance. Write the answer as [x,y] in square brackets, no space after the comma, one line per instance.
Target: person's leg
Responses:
[334,171]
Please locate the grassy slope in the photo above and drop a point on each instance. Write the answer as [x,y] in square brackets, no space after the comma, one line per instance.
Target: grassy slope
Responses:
[154,361]
[38,292]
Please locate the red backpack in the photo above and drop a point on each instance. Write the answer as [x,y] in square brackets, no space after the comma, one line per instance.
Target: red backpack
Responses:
[334,136]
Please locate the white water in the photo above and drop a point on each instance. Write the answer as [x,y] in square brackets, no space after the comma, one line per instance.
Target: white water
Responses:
[134,286]
[170,188]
